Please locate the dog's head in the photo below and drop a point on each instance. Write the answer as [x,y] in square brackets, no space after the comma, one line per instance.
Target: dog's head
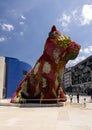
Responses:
[60,47]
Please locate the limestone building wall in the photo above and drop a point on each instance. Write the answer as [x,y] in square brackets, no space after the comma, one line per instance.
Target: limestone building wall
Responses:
[2,76]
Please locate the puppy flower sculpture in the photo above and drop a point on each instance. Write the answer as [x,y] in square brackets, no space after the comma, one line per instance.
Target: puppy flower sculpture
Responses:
[43,83]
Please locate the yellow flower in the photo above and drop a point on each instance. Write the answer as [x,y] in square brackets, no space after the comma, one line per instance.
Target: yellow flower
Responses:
[36,68]
[42,96]
[54,92]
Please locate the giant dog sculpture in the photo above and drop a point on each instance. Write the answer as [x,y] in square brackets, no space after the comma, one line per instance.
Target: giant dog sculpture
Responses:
[43,83]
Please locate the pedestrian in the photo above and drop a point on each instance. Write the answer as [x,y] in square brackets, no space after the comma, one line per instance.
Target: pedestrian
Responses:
[91,97]
[84,102]
[71,98]
[78,98]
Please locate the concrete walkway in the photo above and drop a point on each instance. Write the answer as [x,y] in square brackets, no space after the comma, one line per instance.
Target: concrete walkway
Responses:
[71,116]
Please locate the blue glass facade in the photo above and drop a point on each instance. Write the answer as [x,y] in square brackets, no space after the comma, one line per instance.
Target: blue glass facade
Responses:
[15,70]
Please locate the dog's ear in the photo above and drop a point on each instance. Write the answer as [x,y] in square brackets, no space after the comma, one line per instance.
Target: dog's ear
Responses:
[53,28]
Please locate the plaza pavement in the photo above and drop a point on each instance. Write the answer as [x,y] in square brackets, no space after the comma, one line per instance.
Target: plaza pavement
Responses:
[71,116]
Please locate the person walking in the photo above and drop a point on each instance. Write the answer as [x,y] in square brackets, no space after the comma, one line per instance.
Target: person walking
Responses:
[71,98]
[78,98]
[84,102]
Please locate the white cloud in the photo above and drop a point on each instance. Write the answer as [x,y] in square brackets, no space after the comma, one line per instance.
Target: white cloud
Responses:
[24,18]
[83,17]
[74,13]
[76,61]
[21,23]
[86,14]
[84,53]
[64,20]
[87,50]
[7,27]
[2,39]
[79,58]
[21,33]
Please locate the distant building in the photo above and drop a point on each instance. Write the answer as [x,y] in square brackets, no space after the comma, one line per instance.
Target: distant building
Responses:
[67,77]
[82,75]
[79,77]
[12,71]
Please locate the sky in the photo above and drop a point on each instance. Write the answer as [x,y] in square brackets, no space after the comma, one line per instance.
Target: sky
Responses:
[25,24]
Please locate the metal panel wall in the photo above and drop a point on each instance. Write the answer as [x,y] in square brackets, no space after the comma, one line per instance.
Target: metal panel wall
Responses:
[14,74]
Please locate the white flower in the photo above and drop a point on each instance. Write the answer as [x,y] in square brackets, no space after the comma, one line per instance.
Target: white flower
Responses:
[46,68]
[24,88]
[36,68]
[56,54]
